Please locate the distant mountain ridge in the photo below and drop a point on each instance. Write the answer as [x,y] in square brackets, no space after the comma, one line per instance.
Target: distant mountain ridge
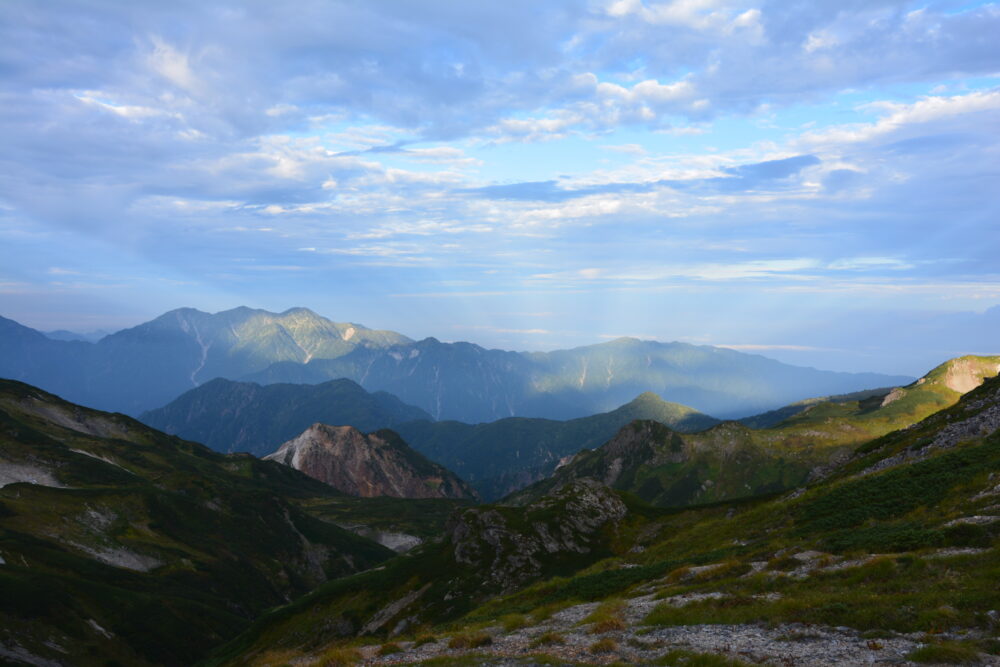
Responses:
[233,416]
[496,457]
[151,364]
[731,460]
[501,456]
[466,382]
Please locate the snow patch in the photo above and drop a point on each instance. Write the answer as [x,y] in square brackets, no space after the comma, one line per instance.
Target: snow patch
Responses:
[349,333]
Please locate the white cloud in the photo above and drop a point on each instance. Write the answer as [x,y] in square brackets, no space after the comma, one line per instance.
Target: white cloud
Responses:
[897,116]
[173,65]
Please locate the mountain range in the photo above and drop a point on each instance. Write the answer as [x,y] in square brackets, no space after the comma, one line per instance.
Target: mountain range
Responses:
[889,556]
[147,366]
[731,460]
[496,457]
[776,450]
[121,543]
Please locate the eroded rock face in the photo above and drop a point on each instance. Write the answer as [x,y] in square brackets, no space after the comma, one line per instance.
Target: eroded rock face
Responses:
[510,547]
[368,465]
[966,373]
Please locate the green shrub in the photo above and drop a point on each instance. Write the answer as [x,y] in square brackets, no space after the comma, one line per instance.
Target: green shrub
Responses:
[884,538]
[472,640]
[895,492]
[339,656]
[390,648]
[949,653]
[548,638]
[606,645]
[967,535]
[607,617]
[512,622]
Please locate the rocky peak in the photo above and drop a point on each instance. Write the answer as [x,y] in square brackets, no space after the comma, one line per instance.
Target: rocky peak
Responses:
[510,547]
[637,439]
[966,373]
[368,465]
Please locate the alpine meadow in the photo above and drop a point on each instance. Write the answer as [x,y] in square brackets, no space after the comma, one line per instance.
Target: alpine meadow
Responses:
[448,333]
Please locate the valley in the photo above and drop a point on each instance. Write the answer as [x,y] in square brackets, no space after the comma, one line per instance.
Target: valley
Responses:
[327,525]
[445,333]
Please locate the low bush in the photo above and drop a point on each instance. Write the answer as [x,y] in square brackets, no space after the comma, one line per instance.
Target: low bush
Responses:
[949,653]
[466,641]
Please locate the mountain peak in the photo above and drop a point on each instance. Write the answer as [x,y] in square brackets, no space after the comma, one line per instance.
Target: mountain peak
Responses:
[368,464]
[963,374]
[300,310]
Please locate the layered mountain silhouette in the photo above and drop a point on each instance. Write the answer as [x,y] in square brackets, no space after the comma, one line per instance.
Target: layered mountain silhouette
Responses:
[909,516]
[730,460]
[149,365]
[233,416]
[496,457]
[465,382]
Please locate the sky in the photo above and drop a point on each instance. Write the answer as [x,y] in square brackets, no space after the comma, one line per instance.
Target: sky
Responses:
[814,181]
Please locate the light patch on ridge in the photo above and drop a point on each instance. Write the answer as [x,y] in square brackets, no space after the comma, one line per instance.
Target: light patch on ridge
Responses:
[12,473]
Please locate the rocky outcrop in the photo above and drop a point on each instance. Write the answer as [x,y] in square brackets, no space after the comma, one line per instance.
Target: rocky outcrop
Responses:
[978,418]
[369,465]
[509,549]
[966,373]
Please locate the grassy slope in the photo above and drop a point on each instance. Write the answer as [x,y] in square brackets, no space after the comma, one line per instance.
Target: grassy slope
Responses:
[497,457]
[731,460]
[448,585]
[422,517]
[155,548]
[902,511]
[879,535]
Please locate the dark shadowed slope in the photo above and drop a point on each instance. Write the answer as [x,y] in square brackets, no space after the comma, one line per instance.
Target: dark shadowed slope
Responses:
[121,543]
[246,417]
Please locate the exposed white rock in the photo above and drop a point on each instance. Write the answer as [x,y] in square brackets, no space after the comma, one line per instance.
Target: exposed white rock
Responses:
[12,473]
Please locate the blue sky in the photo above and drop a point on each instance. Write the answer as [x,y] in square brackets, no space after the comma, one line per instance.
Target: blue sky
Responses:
[814,181]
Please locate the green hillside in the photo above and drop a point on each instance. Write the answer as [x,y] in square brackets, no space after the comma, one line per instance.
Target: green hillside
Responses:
[505,455]
[730,460]
[893,557]
[120,544]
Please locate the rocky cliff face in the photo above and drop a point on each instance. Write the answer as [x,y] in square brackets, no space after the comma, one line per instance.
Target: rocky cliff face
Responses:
[369,465]
[509,550]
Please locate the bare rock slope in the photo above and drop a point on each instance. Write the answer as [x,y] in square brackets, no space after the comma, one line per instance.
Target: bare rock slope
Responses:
[369,464]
